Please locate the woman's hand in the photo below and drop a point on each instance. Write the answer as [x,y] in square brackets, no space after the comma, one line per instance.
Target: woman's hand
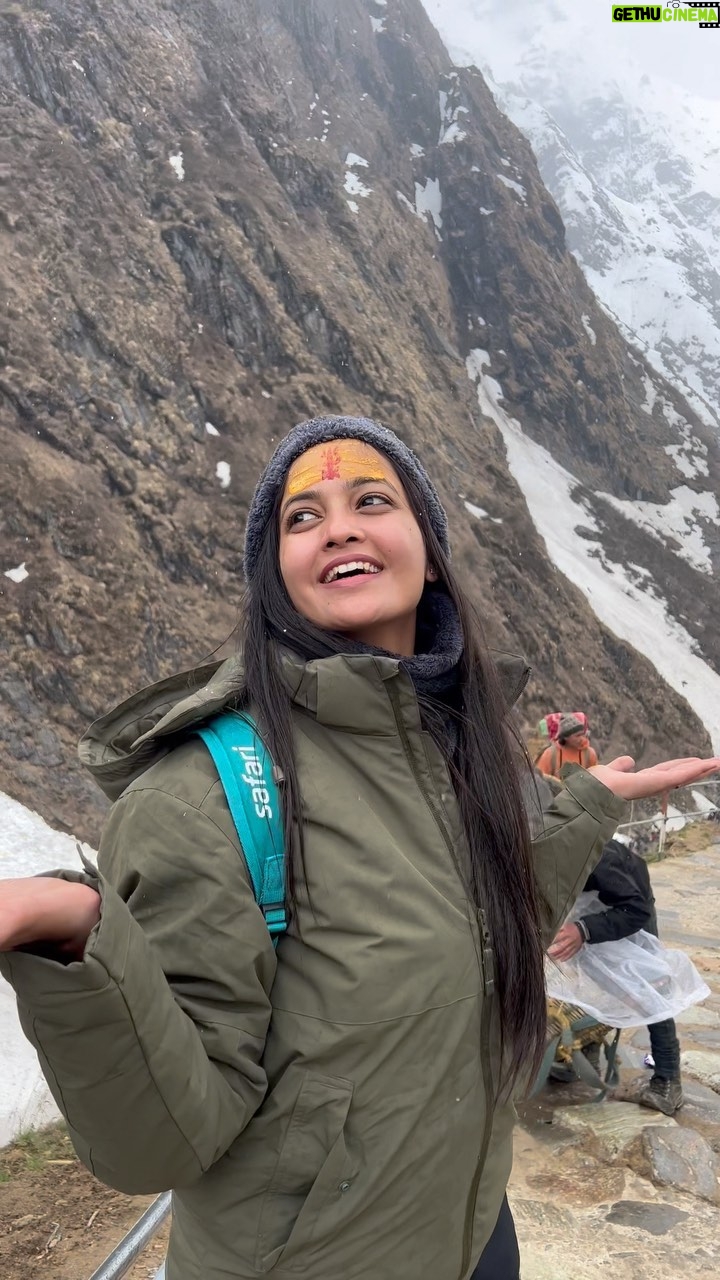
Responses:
[621,778]
[48,911]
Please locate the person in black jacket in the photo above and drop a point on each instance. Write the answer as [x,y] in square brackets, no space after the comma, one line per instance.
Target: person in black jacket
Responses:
[622,882]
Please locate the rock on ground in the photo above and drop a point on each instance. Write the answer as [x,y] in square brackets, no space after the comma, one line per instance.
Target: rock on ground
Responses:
[613,1126]
[681,1158]
[578,1218]
[704,1066]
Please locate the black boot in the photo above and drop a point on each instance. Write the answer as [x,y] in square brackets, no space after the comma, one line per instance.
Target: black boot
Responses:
[662,1095]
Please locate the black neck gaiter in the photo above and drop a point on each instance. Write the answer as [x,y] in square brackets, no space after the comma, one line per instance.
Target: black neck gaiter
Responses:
[434,669]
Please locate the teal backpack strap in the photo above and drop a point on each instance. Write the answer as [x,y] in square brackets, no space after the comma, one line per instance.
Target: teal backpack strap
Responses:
[246,772]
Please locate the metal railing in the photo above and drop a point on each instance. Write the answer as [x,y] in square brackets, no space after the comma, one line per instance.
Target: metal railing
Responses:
[649,834]
[135,1242]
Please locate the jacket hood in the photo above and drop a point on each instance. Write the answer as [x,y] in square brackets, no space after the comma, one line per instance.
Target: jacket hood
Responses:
[121,745]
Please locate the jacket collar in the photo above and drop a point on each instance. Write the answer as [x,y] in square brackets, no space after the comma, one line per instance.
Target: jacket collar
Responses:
[349,692]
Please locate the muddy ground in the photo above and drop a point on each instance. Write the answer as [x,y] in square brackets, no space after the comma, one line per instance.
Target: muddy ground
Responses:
[56,1221]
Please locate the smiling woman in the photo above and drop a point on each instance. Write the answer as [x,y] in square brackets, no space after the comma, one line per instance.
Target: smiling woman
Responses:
[340,1106]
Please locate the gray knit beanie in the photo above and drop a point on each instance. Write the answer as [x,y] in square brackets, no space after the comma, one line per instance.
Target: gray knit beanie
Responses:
[569,725]
[320,431]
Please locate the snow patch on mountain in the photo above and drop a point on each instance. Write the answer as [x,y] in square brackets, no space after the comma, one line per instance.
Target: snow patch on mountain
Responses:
[480,513]
[450,126]
[517,187]
[690,455]
[177,165]
[589,329]
[352,183]
[428,199]
[18,574]
[650,395]
[355,187]
[680,519]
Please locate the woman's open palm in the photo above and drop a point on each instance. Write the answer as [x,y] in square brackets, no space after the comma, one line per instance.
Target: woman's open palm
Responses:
[621,777]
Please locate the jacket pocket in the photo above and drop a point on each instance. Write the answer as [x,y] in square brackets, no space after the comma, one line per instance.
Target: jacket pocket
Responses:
[309,1171]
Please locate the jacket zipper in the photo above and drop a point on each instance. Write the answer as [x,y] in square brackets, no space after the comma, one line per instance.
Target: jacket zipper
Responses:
[488,963]
[487,966]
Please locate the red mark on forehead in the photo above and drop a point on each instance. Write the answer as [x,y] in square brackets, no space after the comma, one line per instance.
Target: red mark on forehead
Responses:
[331,463]
[334,460]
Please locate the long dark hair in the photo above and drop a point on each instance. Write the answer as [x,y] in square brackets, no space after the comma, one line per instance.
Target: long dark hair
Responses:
[486,772]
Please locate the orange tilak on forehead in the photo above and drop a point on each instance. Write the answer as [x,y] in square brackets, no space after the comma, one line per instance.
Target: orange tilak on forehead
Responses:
[339,460]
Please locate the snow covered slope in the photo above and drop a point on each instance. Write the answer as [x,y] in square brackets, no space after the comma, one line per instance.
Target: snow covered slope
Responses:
[623,595]
[632,160]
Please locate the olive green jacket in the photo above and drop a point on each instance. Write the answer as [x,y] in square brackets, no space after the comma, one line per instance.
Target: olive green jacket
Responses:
[325,1110]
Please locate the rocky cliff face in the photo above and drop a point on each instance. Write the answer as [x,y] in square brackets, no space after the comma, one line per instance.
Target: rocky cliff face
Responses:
[218,218]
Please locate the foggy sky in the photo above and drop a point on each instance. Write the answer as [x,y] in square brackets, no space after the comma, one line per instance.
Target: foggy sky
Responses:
[677,51]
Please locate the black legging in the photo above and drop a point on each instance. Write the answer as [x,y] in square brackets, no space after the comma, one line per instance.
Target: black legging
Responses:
[501,1255]
[665,1049]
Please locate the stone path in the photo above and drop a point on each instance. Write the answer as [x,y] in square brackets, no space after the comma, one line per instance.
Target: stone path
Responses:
[611,1188]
